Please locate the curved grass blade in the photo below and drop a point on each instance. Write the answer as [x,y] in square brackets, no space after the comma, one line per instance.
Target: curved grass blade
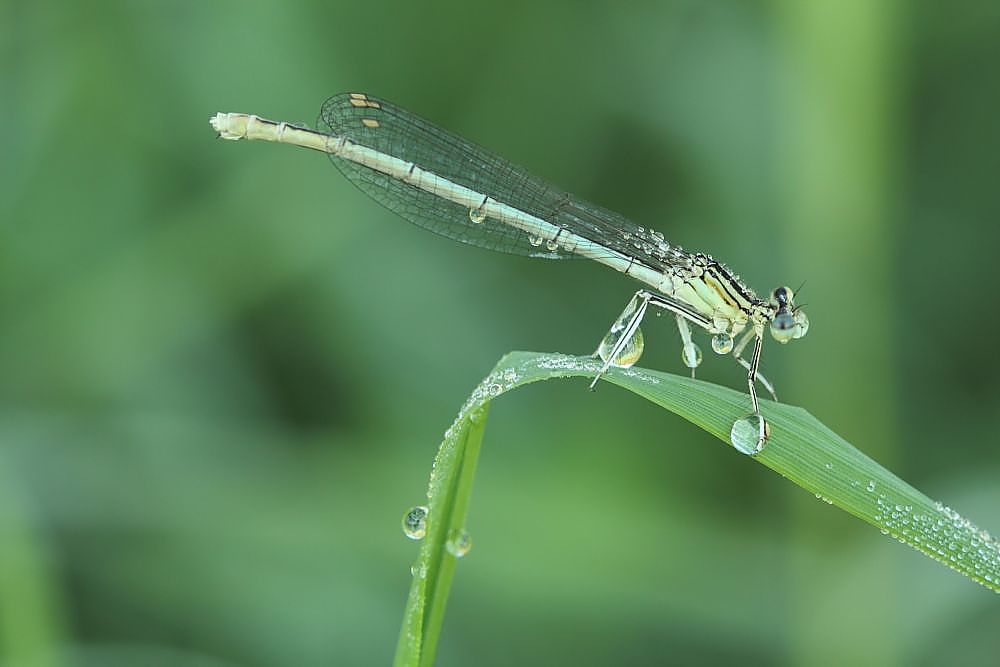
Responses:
[799,448]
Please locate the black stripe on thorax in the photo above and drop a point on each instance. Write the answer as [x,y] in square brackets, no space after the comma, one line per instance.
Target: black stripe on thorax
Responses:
[726,279]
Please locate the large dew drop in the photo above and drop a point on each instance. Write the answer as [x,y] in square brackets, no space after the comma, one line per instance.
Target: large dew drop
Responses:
[632,349]
[629,354]
[415,522]
[722,343]
[691,355]
[749,434]
[458,544]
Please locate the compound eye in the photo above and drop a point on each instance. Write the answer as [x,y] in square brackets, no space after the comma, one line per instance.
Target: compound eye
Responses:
[781,296]
[784,327]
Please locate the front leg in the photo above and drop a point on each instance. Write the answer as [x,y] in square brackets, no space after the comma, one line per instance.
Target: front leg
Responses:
[690,353]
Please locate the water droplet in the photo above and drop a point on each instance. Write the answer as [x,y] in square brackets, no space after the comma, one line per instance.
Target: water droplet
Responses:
[535,240]
[415,522]
[551,245]
[802,324]
[418,570]
[691,355]
[476,415]
[871,486]
[657,236]
[458,544]
[629,354]
[722,343]
[477,215]
[632,350]
[749,434]
[495,390]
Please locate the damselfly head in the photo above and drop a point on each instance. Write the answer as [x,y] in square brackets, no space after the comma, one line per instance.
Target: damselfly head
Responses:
[788,322]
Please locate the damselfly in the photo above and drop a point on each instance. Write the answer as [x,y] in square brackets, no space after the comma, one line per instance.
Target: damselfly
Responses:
[444,183]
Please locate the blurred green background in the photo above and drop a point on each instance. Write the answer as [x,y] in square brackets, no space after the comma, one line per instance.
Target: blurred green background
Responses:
[225,371]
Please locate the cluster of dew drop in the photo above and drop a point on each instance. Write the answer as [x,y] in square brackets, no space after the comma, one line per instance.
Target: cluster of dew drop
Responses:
[491,386]
[640,375]
[943,534]
[652,244]
[564,363]
[570,364]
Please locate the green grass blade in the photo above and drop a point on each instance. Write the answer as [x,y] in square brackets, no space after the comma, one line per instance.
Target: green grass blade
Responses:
[800,448]
[448,496]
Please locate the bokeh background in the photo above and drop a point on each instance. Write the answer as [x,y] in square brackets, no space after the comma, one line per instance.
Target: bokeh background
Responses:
[224,371]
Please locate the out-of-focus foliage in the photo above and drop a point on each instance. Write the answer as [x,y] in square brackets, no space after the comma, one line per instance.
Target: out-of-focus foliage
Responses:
[224,371]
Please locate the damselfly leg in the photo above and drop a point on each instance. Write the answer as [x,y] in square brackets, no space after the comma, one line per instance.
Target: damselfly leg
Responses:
[690,353]
[753,364]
